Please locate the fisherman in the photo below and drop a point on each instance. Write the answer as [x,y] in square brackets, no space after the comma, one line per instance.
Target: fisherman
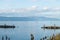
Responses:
[32,37]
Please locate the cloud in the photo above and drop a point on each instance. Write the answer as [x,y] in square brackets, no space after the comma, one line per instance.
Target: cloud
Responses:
[33,11]
[45,8]
[18,10]
[32,8]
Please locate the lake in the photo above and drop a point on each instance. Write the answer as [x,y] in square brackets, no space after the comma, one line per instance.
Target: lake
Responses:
[25,28]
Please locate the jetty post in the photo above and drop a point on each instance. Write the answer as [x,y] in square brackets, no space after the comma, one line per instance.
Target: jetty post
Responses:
[2,38]
[32,37]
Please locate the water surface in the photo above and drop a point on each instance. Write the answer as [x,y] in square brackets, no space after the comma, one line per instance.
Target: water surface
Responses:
[25,28]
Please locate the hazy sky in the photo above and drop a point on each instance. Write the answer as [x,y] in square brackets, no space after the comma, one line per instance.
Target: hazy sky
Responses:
[9,4]
[47,8]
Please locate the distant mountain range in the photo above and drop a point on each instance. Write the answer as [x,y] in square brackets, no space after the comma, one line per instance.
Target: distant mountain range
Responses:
[28,19]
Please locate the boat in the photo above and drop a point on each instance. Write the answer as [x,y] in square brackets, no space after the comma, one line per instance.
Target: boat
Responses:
[51,27]
[7,26]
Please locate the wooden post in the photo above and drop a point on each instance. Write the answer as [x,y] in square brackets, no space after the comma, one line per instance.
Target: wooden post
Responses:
[32,37]
[2,38]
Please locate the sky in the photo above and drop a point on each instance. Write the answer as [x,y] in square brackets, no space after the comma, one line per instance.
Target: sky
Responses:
[29,8]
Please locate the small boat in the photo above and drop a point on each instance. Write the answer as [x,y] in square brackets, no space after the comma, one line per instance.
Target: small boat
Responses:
[7,26]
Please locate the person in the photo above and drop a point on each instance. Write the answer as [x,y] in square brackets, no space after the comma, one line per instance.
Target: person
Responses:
[32,37]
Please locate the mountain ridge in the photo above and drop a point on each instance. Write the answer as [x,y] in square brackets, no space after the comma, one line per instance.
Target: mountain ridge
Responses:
[28,19]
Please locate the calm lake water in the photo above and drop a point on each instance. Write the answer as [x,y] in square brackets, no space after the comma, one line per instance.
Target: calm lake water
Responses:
[25,28]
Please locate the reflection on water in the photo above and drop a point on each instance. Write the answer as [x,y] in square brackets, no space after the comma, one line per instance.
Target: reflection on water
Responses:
[25,28]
